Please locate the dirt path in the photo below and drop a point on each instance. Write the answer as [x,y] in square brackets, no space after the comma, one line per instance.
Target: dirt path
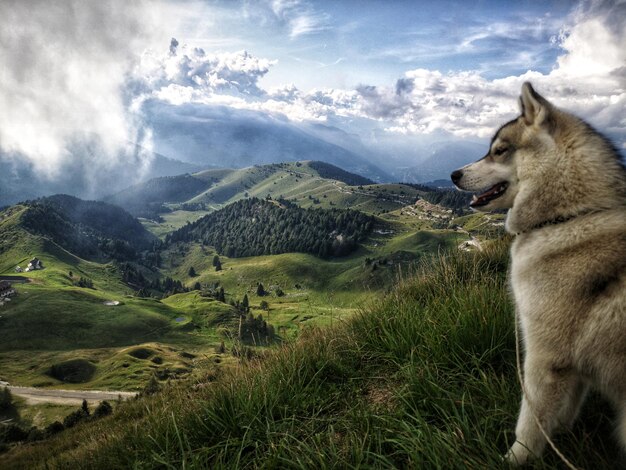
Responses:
[66,397]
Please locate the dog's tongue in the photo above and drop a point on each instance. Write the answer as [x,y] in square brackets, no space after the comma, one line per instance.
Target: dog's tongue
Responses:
[483,198]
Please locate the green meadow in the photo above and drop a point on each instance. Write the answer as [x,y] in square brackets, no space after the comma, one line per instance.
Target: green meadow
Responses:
[93,334]
[423,377]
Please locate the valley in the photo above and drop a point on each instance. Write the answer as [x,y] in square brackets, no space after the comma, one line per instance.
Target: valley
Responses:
[133,304]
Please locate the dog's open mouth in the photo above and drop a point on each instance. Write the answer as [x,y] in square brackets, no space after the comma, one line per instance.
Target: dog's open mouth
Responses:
[492,193]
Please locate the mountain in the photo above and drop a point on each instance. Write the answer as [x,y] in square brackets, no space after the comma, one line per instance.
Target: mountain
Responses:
[147,199]
[211,189]
[443,158]
[89,229]
[19,181]
[211,136]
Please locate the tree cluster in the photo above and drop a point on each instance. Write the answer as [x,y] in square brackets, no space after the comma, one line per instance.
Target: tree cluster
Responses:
[214,291]
[134,278]
[255,329]
[450,198]
[89,229]
[15,433]
[6,399]
[255,227]
[84,282]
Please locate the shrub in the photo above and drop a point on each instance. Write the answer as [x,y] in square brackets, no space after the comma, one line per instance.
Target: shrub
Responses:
[54,428]
[6,398]
[103,409]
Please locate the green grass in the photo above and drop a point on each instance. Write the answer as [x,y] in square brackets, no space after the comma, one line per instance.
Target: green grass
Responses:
[39,415]
[424,378]
[296,182]
[172,221]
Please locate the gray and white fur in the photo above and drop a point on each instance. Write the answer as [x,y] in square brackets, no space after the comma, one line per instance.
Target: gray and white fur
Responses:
[564,186]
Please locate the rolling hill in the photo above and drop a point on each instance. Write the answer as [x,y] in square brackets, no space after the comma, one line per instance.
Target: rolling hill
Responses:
[211,135]
[90,229]
[211,189]
[167,204]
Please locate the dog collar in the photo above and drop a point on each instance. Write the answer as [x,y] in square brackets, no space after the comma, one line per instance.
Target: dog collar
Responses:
[556,221]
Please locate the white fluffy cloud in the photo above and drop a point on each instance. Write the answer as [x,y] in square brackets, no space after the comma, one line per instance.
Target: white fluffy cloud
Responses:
[63,69]
[194,73]
[588,79]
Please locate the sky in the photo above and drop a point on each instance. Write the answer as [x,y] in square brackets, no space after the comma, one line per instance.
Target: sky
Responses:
[84,82]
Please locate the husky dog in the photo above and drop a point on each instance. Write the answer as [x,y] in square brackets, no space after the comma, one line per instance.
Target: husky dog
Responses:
[564,186]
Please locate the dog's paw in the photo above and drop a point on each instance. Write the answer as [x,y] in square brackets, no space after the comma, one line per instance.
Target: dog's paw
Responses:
[518,455]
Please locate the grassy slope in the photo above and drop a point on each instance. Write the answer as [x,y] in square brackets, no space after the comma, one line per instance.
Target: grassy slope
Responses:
[294,181]
[51,320]
[318,291]
[424,378]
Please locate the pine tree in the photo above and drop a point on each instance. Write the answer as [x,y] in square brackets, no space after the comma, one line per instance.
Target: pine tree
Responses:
[221,296]
[85,408]
[260,290]
[245,303]
[192,272]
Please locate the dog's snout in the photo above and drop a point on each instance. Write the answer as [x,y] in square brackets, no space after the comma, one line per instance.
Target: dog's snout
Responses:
[456,176]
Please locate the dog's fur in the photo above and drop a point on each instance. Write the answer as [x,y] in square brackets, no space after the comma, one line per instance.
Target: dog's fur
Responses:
[566,197]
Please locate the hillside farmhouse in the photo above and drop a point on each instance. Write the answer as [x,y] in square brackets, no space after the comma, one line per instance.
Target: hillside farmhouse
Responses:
[34,264]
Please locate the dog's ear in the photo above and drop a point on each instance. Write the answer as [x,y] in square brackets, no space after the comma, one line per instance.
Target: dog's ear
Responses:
[534,107]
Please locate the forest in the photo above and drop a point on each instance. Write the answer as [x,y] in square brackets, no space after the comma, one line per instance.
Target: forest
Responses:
[254,227]
[88,229]
[455,200]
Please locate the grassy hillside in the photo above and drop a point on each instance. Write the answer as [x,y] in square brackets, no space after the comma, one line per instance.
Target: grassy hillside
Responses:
[52,320]
[90,229]
[423,378]
[166,204]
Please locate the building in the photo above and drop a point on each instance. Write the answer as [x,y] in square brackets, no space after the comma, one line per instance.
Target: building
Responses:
[6,289]
[34,264]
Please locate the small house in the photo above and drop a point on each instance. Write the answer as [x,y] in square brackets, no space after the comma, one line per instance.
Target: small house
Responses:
[34,264]
[18,269]
[6,289]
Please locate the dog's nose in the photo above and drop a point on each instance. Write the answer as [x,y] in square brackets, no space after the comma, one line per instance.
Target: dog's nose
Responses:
[456,176]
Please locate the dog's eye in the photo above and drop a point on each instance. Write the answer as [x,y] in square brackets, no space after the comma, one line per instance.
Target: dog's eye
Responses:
[500,151]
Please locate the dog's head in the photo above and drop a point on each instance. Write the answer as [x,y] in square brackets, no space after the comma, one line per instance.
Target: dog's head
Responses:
[495,178]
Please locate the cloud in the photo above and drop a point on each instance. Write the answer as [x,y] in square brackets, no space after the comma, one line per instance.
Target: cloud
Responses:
[588,79]
[190,74]
[300,17]
[63,70]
